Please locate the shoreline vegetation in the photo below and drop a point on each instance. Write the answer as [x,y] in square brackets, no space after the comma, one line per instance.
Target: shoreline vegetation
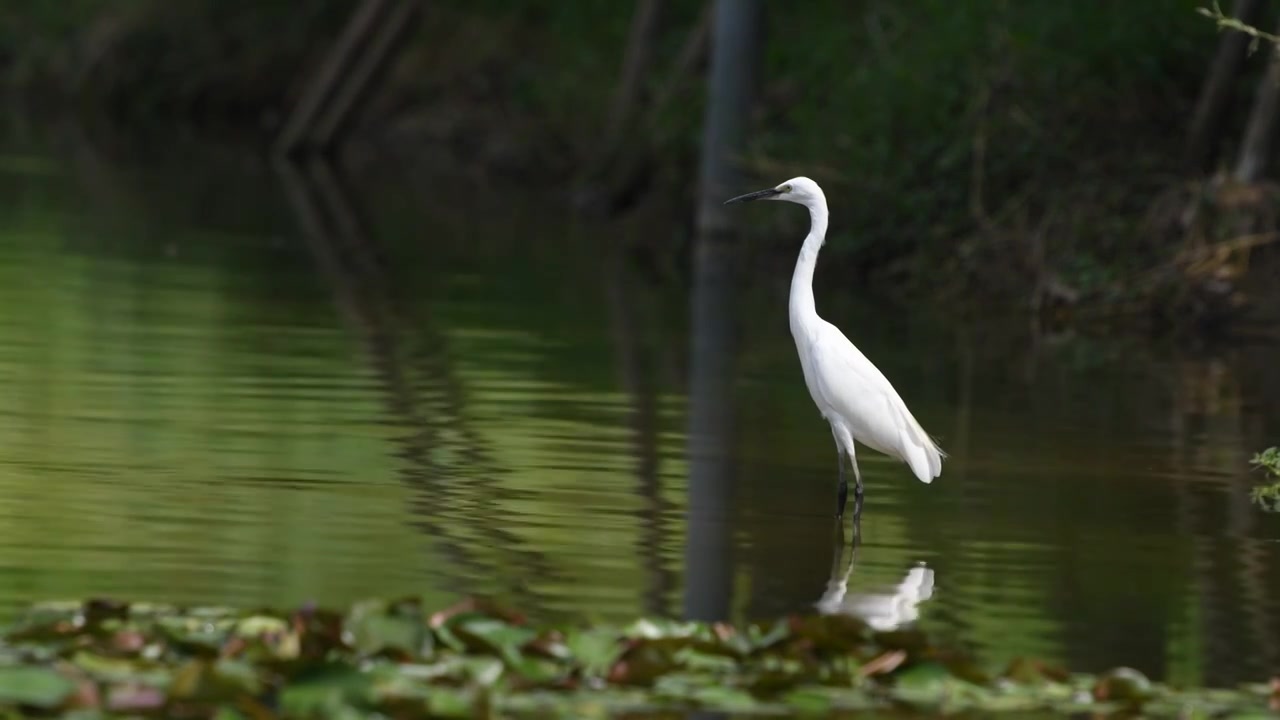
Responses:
[398,659]
[1266,494]
[1102,165]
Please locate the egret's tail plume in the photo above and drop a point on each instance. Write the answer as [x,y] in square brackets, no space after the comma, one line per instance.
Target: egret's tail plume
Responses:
[920,451]
[925,461]
[923,455]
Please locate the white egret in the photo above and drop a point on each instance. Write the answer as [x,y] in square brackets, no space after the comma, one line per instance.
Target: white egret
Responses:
[850,392]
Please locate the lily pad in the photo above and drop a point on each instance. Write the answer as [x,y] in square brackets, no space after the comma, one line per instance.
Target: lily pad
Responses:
[396,629]
[392,659]
[37,687]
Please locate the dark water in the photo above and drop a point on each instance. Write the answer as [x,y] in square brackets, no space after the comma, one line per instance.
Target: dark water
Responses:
[223,383]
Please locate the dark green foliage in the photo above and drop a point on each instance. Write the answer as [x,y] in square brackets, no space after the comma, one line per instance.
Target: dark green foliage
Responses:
[396,659]
[1267,494]
[952,129]
[230,61]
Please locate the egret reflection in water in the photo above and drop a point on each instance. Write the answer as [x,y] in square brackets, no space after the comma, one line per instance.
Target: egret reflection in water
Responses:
[883,609]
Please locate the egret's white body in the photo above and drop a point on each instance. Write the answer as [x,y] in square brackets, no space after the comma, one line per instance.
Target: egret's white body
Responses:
[850,392]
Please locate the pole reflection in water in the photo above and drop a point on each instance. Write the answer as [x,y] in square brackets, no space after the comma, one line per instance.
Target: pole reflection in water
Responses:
[736,48]
[708,556]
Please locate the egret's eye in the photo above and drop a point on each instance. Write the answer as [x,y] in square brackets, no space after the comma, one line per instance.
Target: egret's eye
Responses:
[786,188]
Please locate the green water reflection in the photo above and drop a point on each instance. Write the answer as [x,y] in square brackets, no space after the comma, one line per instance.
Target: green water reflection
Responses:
[222,383]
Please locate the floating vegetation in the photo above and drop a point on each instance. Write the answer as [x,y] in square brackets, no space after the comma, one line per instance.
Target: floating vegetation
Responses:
[397,659]
[1267,495]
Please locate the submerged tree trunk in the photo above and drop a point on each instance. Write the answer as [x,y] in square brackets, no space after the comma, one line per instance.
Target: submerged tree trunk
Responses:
[1252,161]
[1206,122]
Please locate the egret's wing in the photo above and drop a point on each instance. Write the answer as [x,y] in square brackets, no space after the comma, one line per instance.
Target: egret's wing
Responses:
[863,397]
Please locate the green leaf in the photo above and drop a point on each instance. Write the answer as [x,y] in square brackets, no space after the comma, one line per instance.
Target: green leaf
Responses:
[595,648]
[375,627]
[451,703]
[932,684]
[203,635]
[23,685]
[765,639]
[48,620]
[692,659]
[725,698]
[493,635]
[506,641]
[335,687]
[704,691]
[116,670]
[259,625]
[809,701]
[238,675]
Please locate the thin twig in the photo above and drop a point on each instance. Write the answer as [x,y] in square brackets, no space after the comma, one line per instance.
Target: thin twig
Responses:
[1226,22]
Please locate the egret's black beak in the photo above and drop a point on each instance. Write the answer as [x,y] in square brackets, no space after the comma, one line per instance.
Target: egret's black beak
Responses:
[759,195]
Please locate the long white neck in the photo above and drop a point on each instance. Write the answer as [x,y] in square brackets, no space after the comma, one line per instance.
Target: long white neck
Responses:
[801,305]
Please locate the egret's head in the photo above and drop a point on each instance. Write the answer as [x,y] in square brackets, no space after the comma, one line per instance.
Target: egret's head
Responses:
[799,190]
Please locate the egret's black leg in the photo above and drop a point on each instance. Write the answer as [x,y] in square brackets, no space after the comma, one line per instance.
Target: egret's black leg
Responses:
[857,490]
[842,490]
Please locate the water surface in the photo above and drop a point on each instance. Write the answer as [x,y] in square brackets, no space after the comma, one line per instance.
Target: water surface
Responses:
[228,383]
